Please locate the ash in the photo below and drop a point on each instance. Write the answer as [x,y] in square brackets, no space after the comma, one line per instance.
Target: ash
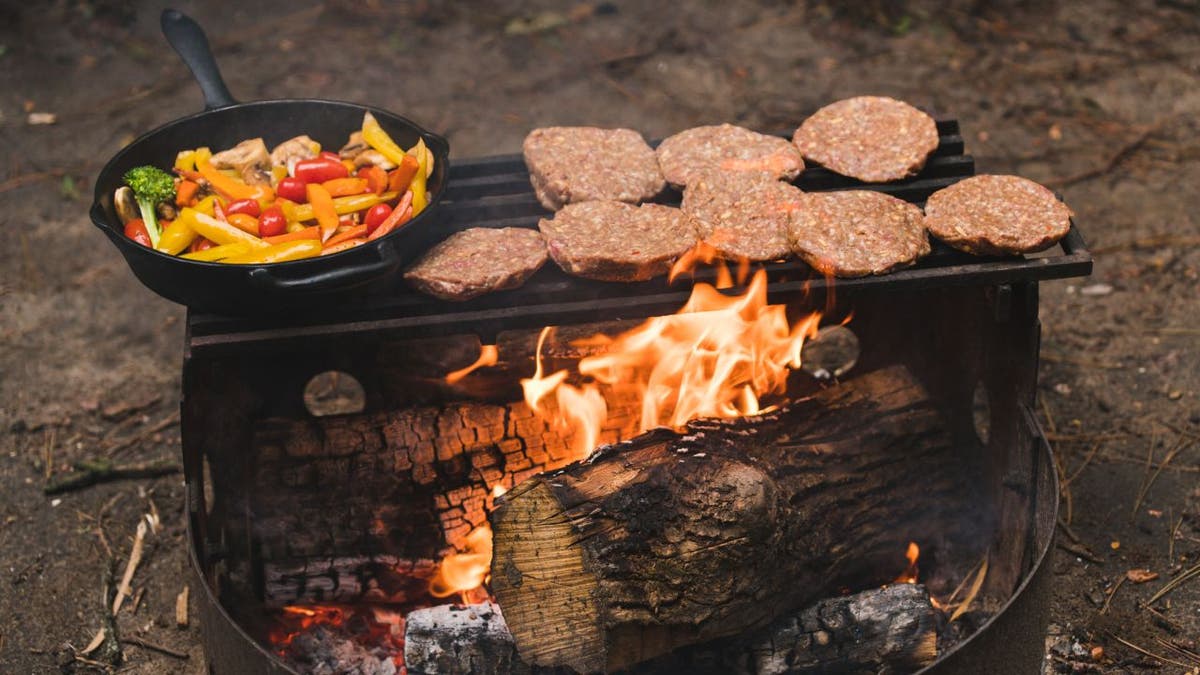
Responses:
[322,650]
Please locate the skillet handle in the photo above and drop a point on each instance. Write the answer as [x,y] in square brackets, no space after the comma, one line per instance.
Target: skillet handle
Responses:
[324,281]
[188,39]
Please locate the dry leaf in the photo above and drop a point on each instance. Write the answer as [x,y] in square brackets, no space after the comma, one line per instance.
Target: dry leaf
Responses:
[1141,576]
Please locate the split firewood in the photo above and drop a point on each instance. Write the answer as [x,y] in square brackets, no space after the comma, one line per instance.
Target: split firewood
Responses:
[460,639]
[673,539]
[888,629]
[93,471]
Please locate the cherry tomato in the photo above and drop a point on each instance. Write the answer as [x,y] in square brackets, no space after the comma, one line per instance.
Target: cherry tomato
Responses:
[250,207]
[272,222]
[291,189]
[319,170]
[376,215]
[136,230]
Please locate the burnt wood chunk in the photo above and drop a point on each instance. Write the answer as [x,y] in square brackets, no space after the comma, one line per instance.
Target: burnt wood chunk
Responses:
[460,640]
[672,539]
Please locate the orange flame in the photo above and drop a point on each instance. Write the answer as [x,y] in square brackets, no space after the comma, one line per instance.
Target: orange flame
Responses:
[462,572]
[716,358]
[488,356]
[578,410]
[910,573]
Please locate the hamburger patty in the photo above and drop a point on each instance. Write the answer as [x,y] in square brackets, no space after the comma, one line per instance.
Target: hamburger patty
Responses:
[614,241]
[580,164]
[743,215]
[477,261]
[872,138]
[726,148]
[856,233]
[993,215]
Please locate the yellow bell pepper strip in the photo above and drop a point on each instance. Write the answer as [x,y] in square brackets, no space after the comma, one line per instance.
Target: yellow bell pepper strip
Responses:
[233,188]
[185,160]
[419,199]
[313,232]
[377,138]
[276,253]
[343,245]
[207,206]
[217,231]
[220,252]
[202,155]
[323,209]
[428,162]
[176,237]
[342,205]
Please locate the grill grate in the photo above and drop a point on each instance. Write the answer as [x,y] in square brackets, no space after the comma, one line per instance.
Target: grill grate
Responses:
[495,192]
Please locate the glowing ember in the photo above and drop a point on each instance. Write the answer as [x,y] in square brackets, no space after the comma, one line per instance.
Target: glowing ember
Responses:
[375,629]
[910,573]
[498,491]
[488,355]
[463,572]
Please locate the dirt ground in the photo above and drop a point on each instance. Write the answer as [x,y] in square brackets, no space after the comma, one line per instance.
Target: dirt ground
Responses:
[1100,99]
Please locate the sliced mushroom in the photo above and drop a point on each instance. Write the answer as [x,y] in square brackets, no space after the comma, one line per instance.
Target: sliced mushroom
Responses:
[167,211]
[249,158]
[125,204]
[373,157]
[287,153]
[354,147]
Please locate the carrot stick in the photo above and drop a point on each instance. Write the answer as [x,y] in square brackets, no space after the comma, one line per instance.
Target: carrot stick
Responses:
[313,232]
[401,176]
[343,246]
[185,192]
[323,208]
[352,233]
[344,187]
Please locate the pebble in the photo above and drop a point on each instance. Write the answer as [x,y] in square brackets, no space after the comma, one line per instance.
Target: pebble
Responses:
[1175,395]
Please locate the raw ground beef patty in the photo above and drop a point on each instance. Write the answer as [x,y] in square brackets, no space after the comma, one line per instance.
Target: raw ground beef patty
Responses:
[743,215]
[581,164]
[478,261]
[729,149]
[613,241]
[993,215]
[872,138]
[855,233]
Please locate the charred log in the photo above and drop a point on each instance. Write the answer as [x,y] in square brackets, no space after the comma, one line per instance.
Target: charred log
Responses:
[673,539]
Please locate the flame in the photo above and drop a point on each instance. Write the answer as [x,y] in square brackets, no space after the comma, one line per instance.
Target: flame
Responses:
[705,253]
[488,356]
[910,573]
[578,410]
[463,572]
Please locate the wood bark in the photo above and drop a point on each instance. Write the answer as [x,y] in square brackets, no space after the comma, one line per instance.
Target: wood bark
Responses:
[672,539]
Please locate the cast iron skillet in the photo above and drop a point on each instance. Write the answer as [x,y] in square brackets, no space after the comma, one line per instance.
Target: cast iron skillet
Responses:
[307,285]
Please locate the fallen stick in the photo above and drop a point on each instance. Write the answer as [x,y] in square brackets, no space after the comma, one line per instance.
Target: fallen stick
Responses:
[94,471]
[135,557]
[146,644]
[181,608]
[1113,160]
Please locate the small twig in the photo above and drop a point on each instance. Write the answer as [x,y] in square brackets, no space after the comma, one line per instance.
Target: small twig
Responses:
[974,591]
[1163,619]
[95,664]
[1086,460]
[135,557]
[1174,583]
[156,647]
[130,441]
[1178,447]
[103,470]
[1108,600]
[1152,655]
[181,608]
[1171,540]
[1145,473]
[1123,152]
[1178,650]
[1080,438]
[1080,551]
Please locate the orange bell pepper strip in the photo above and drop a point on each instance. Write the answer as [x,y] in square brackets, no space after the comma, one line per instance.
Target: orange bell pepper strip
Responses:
[233,188]
[185,192]
[344,187]
[323,209]
[343,245]
[401,177]
[276,253]
[377,178]
[313,232]
[343,205]
[244,222]
[350,233]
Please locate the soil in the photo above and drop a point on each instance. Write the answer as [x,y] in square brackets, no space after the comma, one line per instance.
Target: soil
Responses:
[1098,100]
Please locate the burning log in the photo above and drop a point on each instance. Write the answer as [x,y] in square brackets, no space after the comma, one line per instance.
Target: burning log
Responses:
[673,539]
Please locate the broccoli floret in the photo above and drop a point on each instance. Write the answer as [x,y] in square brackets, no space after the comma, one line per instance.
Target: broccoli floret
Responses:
[151,186]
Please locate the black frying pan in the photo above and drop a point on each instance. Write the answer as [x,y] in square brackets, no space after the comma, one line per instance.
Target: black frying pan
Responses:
[304,285]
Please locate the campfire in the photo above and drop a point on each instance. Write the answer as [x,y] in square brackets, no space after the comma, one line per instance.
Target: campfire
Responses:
[684,476]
